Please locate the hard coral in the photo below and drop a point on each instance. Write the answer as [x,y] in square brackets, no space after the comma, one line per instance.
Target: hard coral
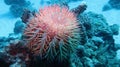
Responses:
[53,33]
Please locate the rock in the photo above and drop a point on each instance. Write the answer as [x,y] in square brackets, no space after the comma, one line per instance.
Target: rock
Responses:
[106,7]
[18,63]
[80,9]
[102,61]
[87,62]
[94,23]
[75,61]
[107,36]
[117,46]
[2,39]
[17,7]
[118,54]
[88,53]
[3,63]
[81,51]
[115,29]
[97,40]
[115,4]
[16,10]
[113,62]
[19,27]
[97,63]
[10,2]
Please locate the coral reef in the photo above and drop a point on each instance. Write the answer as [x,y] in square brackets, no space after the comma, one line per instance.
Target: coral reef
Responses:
[106,7]
[15,53]
[58,37]
[115,29]
[99,47]
[19,27]
[10,2]
[115,4]
[80,9]
[27,14]
[17,7]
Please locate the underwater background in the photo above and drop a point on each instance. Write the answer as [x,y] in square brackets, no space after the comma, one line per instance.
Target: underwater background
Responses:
[59,33]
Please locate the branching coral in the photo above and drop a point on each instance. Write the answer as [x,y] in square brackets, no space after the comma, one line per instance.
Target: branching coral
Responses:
[53,33]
